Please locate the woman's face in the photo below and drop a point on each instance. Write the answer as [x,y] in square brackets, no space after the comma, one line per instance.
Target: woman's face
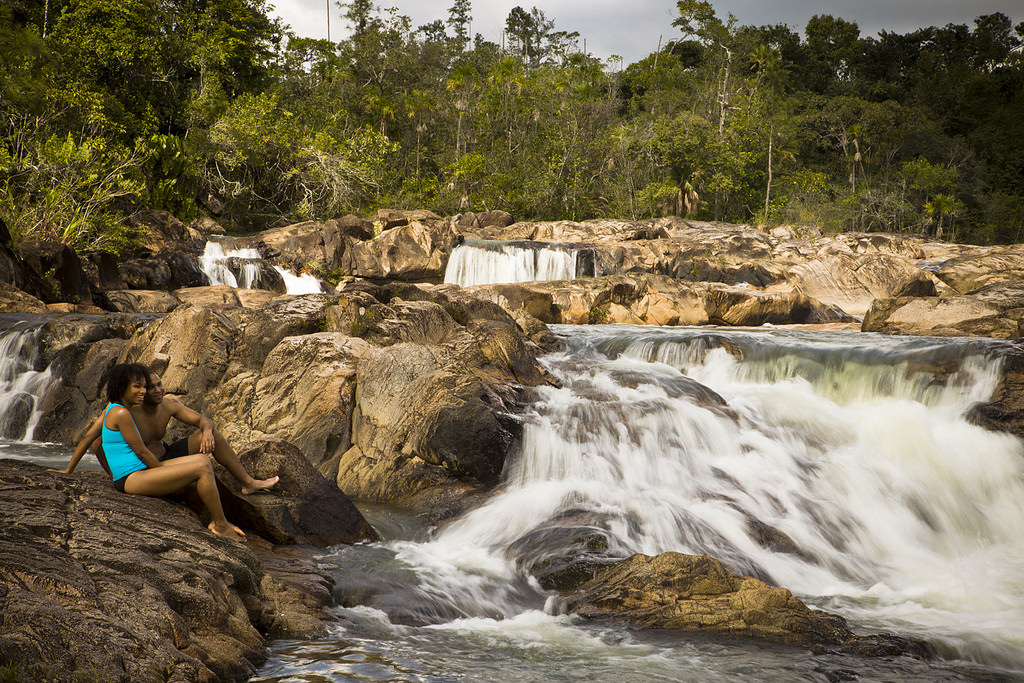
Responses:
[135,392]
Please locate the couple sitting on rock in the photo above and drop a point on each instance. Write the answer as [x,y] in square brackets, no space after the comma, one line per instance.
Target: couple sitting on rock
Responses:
[128,440]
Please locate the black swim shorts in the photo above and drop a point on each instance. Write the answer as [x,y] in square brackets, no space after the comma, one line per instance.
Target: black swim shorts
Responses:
[176,450]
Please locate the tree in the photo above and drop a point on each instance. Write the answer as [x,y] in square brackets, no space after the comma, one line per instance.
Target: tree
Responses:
[459,19]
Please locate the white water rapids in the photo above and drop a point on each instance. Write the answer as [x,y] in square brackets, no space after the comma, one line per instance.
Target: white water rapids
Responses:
[905,517]
[481,262]
[213,262]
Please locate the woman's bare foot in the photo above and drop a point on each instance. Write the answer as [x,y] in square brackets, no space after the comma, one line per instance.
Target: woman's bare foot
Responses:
[228,530]
[260,485]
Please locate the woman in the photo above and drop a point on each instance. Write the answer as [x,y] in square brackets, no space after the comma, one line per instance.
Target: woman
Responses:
[133,466]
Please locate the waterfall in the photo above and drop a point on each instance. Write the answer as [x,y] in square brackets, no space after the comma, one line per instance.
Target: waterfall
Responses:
[887,505]
[479,262]
[214,262]
[21,384]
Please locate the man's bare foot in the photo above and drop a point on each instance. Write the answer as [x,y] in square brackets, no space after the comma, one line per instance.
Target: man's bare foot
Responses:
[260,485]
[228,530]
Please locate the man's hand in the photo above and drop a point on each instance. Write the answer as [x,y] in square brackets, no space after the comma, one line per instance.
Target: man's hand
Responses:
[207,442]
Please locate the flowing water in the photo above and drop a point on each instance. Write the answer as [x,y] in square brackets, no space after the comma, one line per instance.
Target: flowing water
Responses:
[22,381]
[214,262]
[481,262]
[903,516]
[898,514]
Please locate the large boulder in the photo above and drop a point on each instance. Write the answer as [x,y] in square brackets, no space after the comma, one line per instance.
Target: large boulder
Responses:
[851,282]
[305,392]
[697,594]
[302,243]
[417,251]
[304,507]
[996,310]
[102,585]
[190,348]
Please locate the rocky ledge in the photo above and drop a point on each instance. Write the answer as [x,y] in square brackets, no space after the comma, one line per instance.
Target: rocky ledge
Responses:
[114,587]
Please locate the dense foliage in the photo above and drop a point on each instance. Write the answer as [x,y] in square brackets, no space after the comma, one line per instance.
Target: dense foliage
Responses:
[209,106]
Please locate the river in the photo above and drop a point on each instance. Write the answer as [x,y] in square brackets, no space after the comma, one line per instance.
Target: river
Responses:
[902,515]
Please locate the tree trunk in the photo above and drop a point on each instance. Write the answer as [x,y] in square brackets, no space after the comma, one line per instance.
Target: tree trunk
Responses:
[768,189]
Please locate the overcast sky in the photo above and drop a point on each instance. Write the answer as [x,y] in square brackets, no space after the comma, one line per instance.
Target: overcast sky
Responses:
[632,28]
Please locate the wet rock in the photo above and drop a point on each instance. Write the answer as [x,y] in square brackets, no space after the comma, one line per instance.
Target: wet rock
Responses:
[691,593]
[1005,412]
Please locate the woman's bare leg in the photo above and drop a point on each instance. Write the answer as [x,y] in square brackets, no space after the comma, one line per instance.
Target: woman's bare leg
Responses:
[226,456]
[179,473]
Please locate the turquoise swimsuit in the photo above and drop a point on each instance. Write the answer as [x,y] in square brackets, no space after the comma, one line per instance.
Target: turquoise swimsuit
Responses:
[120,457]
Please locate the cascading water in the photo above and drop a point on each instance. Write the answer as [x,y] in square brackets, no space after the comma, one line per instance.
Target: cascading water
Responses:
[896,511]
[479,262]
[214,259]
[21,384]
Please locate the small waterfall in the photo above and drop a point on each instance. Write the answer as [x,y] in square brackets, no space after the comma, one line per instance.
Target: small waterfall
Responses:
[479,262]
[21,384]
[214,262]
[840,466]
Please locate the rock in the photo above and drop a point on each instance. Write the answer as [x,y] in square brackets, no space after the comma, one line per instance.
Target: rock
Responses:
[95,583]
[161,231]
[142,301]
[494,218]
[414,251]
[59,268]
[972,271]
[303,507]
[1005,410]
[851,283]
[305,392]
[168,269]
[388,219]
[996,310]
[211,297]
[301,243]
[195,344]
[13,300]
[355,227]
[697,594]
[653,299]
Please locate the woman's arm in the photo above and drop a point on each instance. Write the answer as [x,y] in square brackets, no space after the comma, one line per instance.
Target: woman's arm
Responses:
[120,417]
[91,435]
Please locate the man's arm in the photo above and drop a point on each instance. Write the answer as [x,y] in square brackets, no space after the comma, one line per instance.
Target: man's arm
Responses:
[181,412]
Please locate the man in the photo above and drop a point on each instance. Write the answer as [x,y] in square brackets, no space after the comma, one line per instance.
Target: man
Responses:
[153,416]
